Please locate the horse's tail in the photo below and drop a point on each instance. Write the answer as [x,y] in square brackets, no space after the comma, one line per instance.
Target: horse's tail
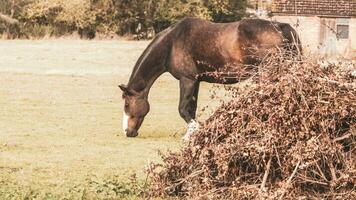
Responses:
[292,41]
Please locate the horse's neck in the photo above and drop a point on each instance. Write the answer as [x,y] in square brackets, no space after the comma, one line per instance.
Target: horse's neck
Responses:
[151,64]
[142,80]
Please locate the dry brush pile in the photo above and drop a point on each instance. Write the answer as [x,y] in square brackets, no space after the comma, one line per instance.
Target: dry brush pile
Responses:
[290,135]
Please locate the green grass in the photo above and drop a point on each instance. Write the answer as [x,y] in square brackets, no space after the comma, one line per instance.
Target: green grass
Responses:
[55,138]
[60,122]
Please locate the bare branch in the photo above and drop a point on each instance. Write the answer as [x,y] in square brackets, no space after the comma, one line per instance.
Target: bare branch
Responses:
[342,137]
[265,176]
[289,180]
[8,19]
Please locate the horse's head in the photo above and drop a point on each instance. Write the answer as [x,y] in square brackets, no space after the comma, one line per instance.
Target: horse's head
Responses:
[135,109]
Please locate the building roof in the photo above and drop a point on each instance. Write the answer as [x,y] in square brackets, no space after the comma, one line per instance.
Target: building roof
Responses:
[315,7]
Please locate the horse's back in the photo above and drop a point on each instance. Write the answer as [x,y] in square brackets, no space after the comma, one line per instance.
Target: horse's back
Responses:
[204,35]
[199,46]
[259,38]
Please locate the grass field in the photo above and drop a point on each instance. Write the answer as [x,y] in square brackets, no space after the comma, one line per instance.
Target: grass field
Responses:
[60,122]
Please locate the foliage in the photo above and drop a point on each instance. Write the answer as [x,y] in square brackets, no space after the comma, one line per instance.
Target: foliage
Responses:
[171,11]
[11,8]
[141,18]
[65,16]
[226,10]
[111,187]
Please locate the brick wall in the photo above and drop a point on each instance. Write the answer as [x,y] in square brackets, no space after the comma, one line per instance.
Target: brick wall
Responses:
[315,7]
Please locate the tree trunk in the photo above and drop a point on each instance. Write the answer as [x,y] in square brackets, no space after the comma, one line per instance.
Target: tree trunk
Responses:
[7,19]
[11,19]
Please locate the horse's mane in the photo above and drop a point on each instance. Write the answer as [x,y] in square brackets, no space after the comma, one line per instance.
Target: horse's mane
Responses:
[157,39]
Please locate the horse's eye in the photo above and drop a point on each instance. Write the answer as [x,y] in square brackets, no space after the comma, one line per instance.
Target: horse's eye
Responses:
[126,105]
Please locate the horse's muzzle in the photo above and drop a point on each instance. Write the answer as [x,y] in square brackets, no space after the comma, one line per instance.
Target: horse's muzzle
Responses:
[131,133]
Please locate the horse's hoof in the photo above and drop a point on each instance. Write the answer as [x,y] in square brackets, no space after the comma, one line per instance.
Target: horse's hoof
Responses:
[186,138]
[193,126]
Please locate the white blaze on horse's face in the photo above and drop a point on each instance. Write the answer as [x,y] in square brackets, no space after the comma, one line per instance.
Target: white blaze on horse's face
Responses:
[125,122]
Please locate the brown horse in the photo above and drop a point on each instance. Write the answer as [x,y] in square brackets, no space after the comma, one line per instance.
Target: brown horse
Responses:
[195,50]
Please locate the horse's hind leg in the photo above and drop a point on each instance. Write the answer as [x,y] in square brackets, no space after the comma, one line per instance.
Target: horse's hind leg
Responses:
[188,103]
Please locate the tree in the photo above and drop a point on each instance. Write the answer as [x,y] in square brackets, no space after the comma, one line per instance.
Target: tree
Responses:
[140,18]
[8,19]
[9,11]
[226,10]
[170,11]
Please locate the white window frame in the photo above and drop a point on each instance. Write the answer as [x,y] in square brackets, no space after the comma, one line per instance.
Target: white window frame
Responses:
[343,22]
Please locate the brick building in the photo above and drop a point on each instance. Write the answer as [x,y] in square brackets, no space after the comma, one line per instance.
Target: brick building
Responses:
[326,27]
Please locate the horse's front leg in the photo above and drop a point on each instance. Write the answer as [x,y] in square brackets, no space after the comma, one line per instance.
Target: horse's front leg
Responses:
[188,104]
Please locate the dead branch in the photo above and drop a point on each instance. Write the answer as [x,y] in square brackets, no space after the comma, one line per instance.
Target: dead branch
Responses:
[333,171]
[286,186]
[8,19]
[285,112]
[342,137]
[265,176]
[347,85]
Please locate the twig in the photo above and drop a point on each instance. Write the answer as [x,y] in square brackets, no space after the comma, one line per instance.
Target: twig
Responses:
[294,172]
[313,181]
[289,180]
[321,172]
[8,19]
[196,173]
[277,155]
[342,137]
[347,85]
[145,186]
[333,172]
[265,176]
[295,43]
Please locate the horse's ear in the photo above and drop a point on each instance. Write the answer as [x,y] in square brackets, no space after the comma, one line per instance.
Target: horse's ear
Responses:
[123,87]
[126,90]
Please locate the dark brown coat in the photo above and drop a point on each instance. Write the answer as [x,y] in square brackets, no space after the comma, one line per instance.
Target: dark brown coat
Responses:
[195,50]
